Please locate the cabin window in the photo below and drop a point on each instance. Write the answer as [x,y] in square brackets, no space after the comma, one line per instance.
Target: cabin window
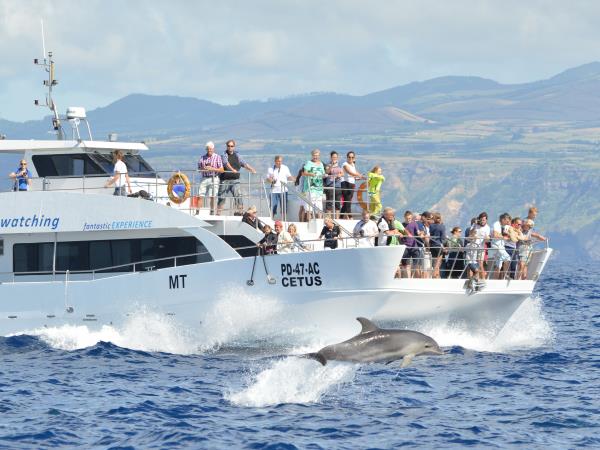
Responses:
[66,165]
[72,256]
[117,255]
[33,257]
[136,165]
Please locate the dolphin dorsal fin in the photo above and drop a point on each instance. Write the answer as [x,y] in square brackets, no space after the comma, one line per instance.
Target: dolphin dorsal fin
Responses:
[367,325]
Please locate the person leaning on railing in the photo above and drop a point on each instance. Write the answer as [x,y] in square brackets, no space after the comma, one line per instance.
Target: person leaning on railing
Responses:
[250,218]
[437,232]
[298,245]
[22,177]
[332,233]
[365,230]
[455,263]
[230,177]
[285,242]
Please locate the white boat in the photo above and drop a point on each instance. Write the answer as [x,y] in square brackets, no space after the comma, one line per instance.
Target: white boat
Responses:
[71,254]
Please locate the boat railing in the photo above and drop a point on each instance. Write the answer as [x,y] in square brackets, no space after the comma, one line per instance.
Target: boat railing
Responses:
[525,262]
[254,189]
[528,261]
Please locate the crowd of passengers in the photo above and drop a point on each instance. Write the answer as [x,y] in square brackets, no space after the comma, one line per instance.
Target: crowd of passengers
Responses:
[480,252]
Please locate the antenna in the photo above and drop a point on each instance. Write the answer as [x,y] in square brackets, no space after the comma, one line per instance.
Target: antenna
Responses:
[48,65]
[43,38]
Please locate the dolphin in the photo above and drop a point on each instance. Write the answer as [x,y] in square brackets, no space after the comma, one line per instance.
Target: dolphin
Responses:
[374,344]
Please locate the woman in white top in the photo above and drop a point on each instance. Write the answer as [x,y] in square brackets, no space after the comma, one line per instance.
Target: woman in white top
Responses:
[120,177]
[350,177]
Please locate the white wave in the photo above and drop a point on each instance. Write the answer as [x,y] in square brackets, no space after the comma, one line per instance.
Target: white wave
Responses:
[240,316]
[292,380]
[147,331]
[527,328]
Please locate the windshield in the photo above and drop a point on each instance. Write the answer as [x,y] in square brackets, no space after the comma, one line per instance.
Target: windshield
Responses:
[136,165]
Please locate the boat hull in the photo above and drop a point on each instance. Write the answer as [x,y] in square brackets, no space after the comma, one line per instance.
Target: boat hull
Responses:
[303,291]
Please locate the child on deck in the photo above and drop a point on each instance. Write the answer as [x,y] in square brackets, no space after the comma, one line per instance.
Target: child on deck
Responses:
[374,183]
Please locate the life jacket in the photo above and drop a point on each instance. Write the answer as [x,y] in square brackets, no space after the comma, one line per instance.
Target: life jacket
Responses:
[234,161]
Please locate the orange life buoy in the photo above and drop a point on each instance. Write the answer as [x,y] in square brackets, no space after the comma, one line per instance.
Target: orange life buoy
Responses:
[178,178]
[359,195]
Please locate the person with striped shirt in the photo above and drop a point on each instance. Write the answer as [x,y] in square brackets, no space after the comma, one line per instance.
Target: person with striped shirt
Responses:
[210,166]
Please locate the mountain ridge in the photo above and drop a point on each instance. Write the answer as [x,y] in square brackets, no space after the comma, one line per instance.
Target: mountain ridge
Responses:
[572,95]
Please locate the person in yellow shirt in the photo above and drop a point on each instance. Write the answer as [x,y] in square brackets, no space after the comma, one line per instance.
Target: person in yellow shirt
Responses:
[375,180]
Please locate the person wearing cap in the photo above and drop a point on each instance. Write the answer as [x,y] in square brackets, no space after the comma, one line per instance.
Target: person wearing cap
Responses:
[250,218]
[285,243]
[210,166]
[230,177]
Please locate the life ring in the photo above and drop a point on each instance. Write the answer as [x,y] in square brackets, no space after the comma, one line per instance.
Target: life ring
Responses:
[359,195]
[175,180]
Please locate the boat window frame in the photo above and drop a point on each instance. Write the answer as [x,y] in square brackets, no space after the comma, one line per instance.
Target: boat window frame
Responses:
[105,160]
[200,255]
[46,165]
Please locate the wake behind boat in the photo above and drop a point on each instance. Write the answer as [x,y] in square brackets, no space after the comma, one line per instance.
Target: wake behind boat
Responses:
[71,254]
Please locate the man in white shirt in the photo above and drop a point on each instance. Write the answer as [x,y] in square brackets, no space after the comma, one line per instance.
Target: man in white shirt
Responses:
[278,176]
[500,255]
[365,231]
[120,178]
[483,234]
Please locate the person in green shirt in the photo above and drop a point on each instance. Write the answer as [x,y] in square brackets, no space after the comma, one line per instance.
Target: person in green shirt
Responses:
[313,174]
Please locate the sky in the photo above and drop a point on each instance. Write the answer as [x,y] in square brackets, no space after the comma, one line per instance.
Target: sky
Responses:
[230,51]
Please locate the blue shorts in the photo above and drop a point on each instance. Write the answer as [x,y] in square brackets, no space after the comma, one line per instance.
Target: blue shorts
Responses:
[473,267]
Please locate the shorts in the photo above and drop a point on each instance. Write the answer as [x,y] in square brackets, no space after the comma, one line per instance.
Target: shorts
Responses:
[410,253]
[316,201]
[500,256]
[435,251]
[426,261]
[473,267]
[209,187]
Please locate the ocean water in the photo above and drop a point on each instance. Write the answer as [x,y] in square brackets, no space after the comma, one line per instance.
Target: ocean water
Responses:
[150,385]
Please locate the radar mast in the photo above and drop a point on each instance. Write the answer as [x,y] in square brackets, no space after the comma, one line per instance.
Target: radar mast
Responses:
[48,64]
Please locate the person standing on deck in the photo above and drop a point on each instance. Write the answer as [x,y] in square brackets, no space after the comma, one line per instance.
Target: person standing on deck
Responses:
[313,173]
[22,177]
[279,175]
[351,175]
[230,177]
[120,178]
[210,166]
[375,180]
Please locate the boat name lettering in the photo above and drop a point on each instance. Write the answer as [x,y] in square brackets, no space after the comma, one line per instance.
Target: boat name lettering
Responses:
[118,225]
[174,281]
[301,275]
[34,221]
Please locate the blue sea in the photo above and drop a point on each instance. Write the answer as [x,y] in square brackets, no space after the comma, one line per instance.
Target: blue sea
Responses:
[148,385]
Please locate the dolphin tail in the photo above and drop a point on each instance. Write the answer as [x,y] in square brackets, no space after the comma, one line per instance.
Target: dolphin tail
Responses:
[316,356]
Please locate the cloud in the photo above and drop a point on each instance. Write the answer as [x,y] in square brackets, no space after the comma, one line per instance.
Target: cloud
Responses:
[231,51]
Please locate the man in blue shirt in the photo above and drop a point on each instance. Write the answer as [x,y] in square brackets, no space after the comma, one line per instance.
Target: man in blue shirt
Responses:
[22,177]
